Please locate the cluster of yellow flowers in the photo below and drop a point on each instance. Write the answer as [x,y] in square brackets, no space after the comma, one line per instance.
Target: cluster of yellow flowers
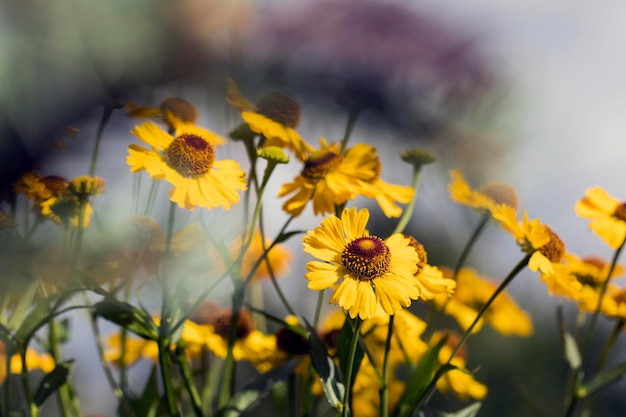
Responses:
[372,279]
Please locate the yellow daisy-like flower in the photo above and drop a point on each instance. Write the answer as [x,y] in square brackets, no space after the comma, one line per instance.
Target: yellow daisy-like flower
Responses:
[330,179]
[275,116]
[278,257]
[430,281]
[472,293]
[372,271]
[535,239]
[607,214]
[387,195]
[485,198]
[65,210]
[187,161]
[34,187]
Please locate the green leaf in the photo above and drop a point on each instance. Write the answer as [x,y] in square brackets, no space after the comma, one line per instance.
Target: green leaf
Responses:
[343,350]
[39,316]
[420,380]
[132,318]
[259,388]
[570,347]
[52,382]
[326,369]
[469,411]
[288,235]
[602,380]
[19,312]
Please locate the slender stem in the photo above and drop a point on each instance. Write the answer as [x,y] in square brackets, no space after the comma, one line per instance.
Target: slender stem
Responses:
[34,410]
[596,313]
[318,308]
[166,374]
[183,365]
[107,111]
[384,391]
[154,187]
[345,410]
[408,212]
[352,116]
[509,278]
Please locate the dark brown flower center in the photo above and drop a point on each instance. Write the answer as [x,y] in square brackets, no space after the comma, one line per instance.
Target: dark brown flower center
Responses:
[291,342]
[620,212]
[366,258]
[280,108]
[500,193]
[222,320]
[190,155]
[319,164]
[421,252]
[554,249]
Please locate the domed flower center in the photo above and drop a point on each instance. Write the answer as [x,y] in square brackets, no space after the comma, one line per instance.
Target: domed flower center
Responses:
[320,163]
[367,258]
[280,108]
[421,252]
[221,323]
[554,249]
[620,212]
[500,193]
[190,155]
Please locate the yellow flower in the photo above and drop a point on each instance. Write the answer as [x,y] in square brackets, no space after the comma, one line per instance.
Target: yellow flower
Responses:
[172,112]
[607,214]
[34,360]
[485,198]
[429,279]
[460,382]
[278,257]
[372,271]
[251,345]
[330,179]
[187,161]
[275,117]
[34,187]
[387,194]
[85,186]
[472,293]
[65,209]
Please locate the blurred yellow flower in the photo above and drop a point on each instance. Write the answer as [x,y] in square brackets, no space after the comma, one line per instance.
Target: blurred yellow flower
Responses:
[330,179]
[275,116]
[187,161]
[607,214]
[485,198]
[173,111]
[372,271]
[278,258]
[472,293]
[34,360]
[459,381]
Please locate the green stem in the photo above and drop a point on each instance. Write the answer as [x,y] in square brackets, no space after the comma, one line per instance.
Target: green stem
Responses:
[384,391]
[183,365]
[107,111]
[166,374]
[408,212]
[34,410]
[345,410]
[154,188]
[442,369]
[352,116]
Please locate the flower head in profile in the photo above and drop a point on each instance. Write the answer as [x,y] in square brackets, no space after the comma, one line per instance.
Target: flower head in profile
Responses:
[607,214]
[430,281]
[172,112]
[187,161]
[373,271]
[329,178]
[472,293]
[70,200]
[275,116]
[485,198]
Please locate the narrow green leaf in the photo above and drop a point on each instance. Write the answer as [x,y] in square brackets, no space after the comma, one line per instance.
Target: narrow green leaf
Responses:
[326,369]
[19,312]
[287,235]
[52,382]
[469,411]
[570,347]
[343,350]
[39,316]
[602,380]
[419,380]
[149,403]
